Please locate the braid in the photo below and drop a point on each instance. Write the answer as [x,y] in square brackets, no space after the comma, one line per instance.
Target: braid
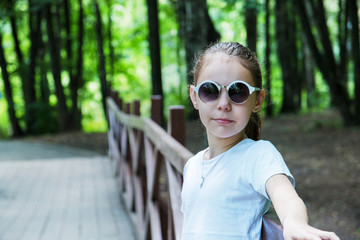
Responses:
[253,128]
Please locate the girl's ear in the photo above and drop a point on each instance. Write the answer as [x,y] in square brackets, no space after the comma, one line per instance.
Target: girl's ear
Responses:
[260,97]
[192,94]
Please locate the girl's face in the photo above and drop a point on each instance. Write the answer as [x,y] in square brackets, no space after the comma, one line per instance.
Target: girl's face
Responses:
[223,118]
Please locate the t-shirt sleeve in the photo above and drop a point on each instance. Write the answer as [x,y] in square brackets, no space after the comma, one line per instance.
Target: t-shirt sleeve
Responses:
[266,163]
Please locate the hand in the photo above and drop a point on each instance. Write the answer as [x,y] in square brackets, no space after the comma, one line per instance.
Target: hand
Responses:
[294,230]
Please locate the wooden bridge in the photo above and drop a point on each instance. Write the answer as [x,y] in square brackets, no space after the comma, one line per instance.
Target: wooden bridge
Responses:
[56,193]
[52,192]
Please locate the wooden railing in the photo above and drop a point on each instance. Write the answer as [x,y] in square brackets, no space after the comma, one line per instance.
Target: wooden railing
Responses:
[148,163]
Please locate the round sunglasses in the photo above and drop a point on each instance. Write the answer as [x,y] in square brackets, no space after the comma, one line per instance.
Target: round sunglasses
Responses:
[238,91]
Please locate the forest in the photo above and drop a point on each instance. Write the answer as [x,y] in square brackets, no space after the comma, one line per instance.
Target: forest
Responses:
[59,59]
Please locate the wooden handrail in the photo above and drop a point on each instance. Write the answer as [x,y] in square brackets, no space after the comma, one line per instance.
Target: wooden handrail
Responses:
[149,163]
[169,147]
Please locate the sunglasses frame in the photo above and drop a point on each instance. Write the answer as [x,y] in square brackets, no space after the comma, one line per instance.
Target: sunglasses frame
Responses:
[219,87]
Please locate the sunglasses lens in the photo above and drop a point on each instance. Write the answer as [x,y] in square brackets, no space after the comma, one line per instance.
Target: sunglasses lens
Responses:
[238,92]
[208,92]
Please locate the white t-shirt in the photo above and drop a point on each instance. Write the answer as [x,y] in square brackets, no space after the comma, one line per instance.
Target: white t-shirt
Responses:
[233,198]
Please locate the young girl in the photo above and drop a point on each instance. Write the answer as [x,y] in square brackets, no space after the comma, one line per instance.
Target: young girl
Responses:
[228,186]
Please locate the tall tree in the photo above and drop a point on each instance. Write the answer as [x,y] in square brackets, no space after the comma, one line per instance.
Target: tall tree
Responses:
[76,82]
[196,29]
[63,116]
[325,57]
[74,114]
[154,43]
[269,108]
[288,56]
[110,41]
[355,43]
[251,23]
[309,73]
[16,130]
[101,56]
[29,82]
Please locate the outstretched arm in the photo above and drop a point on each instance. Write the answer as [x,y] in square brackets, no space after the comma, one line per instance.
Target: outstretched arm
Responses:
[292,212]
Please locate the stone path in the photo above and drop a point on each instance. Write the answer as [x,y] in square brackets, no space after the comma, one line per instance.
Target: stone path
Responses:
[56,192]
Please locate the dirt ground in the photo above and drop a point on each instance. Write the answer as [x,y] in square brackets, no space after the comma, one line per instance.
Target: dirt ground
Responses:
[325,161]
[323,157]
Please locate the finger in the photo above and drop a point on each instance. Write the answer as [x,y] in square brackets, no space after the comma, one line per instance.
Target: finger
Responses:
[330,236]
[325,235]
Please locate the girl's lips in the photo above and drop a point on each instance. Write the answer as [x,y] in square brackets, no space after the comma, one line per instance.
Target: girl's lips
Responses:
[223,121]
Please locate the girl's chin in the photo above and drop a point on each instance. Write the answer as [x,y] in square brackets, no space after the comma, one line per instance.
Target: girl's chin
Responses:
[228,136]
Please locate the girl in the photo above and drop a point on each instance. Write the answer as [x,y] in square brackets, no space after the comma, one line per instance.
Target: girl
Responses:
[228,186]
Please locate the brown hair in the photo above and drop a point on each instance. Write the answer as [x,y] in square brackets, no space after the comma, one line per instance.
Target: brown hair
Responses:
[248,59]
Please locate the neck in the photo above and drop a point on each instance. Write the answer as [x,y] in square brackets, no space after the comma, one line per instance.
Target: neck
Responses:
[219,145]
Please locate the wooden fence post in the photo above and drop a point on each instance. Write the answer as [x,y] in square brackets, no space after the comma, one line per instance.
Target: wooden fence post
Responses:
[176,128]
[157,109]
[127,108]
[115,95]
[176,125]
[136,108]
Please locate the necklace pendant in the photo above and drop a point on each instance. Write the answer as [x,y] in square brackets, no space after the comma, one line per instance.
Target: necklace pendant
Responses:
[202,181]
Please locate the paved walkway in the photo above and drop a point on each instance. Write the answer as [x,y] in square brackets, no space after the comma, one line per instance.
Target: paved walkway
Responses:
[57,192]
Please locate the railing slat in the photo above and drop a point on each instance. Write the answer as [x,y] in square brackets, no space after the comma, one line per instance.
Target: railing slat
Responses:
[175,197]
[155,222]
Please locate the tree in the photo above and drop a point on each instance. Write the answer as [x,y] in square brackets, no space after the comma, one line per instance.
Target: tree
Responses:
[324,56]
[196,29]
[63,116]
[110,41]
[269,108]
[101,56]
[29,82]
[16,130]
[288,56]
[355,43]
[251,23]
[154,43]
[76,73]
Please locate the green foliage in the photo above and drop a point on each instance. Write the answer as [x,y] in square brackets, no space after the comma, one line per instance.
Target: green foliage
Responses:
[228,19]
[4,121]
[131,77]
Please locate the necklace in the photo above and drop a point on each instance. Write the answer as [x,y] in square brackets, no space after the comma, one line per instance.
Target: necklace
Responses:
[212,168]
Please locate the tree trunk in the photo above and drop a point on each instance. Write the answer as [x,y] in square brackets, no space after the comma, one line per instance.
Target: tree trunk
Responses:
[21,65]
[353,10]
[14,32]
[251,23]
[308,66]
[269,108]
[101,66]
[287,52]
[29,81]
[110,43]
[15,127]
[77,80]
[194,28]
[325,60]
[212,35]
[44,83]
[74,116]
[63,119]
[196,31]
[342,39]
[154,43]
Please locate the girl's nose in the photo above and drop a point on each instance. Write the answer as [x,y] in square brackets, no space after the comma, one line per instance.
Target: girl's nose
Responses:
[223,103]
